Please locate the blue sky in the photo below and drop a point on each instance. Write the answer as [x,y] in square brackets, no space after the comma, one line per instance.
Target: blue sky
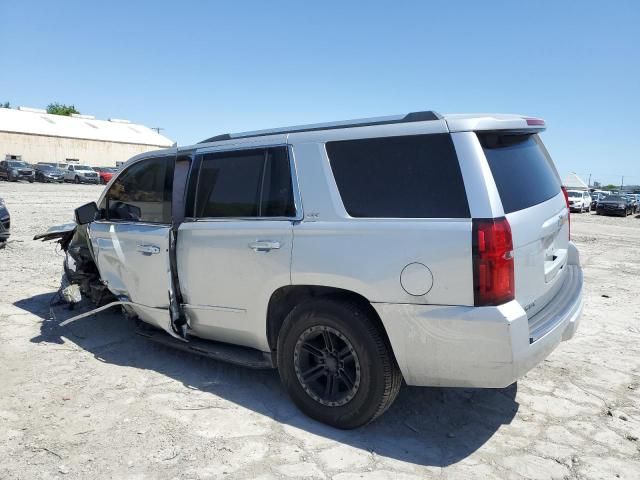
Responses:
[200,68]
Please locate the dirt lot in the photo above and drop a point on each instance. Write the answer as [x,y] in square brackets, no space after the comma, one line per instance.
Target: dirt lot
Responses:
[94,400]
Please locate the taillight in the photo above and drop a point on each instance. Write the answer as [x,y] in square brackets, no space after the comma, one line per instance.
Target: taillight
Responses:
[493,277]
[566,199]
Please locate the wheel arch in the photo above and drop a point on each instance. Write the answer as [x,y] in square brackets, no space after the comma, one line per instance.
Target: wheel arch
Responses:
[286,298]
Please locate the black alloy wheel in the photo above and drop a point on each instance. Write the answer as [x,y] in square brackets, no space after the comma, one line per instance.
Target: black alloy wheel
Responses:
[327,365]
[336,362]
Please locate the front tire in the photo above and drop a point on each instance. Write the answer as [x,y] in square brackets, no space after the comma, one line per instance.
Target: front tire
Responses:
[336,363]
[76,179]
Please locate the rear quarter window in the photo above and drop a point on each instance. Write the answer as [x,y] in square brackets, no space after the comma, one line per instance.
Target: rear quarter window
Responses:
[522,169]
[415,176]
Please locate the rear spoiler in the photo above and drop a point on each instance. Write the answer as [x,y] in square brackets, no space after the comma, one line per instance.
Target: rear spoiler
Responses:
[466,123]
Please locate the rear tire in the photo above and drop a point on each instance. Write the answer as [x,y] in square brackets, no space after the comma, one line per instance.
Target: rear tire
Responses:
[336,363]
[76,179]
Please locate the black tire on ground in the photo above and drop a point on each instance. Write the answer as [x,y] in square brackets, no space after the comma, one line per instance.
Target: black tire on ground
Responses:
[31,180]
[77,179]
[369,366]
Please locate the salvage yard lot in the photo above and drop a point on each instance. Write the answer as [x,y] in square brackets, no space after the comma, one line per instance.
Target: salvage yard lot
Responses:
[94,400]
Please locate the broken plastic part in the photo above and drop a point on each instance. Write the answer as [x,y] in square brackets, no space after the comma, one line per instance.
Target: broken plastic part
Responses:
[71,294]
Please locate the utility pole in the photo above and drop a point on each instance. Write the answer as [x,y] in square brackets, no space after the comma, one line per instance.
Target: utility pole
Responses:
[589,182]
[621,183]
[157,129]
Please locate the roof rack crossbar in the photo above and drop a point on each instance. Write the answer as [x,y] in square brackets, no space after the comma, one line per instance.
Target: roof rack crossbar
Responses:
[365,122]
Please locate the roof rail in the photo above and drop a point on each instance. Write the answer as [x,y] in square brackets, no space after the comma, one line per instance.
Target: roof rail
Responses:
[363,122]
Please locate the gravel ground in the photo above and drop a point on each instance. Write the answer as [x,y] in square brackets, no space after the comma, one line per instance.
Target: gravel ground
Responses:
[94,400]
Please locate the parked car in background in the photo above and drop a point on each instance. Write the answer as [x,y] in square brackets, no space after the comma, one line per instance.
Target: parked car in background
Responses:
[633,201]
[5,223]
[81,174]
[579,201]
[14,170]
[470,280]
[105,173]
[60,165]
[614,205]
[48,173]
[595,198]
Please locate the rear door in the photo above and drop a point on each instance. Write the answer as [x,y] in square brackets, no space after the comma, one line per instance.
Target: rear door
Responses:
[236,249]
[534,205]
[131,243]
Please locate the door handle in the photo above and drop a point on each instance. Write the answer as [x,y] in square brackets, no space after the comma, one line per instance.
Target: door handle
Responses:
[148,249]
[264,245]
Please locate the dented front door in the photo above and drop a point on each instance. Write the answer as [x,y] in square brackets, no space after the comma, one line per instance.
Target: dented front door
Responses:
[131,241]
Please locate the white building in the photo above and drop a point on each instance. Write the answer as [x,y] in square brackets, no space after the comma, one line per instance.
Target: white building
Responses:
[35,136]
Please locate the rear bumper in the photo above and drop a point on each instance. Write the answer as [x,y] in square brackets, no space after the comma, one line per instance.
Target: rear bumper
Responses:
[490,347]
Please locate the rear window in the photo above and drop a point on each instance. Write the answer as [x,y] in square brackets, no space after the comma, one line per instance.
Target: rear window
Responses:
[415,176]
[522,169]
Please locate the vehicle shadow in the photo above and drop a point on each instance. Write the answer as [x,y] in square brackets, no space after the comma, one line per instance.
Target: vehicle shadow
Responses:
[425,426]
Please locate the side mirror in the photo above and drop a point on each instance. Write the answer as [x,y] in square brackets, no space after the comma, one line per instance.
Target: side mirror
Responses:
[86,213]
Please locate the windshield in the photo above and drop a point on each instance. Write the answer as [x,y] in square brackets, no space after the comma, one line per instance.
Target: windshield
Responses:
[83,167]
[46,167]
[18,165]
[575,194]
[615,198]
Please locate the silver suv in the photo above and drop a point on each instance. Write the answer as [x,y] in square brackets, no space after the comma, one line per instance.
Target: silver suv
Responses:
[81,174]
[348,255]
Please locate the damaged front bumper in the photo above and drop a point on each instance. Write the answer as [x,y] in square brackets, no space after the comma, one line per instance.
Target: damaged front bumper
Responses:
[79,265]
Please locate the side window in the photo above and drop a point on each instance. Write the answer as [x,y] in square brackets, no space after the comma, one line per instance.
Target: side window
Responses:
[70,168]
[415,176]
[245,184]
[142,192]
[277,192]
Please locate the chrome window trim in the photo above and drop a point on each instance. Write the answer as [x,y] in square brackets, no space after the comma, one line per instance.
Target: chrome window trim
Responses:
[130,222]
[297,202]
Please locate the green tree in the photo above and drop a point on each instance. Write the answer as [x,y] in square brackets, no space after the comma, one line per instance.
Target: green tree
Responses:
[611,187]
[61,109]
[5,105]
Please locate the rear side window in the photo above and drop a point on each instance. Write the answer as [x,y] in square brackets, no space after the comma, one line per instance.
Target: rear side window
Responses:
[522,169]
[249,183]
[142,193]
[415,176]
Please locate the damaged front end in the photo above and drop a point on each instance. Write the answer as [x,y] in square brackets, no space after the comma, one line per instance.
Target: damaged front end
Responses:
[96,269]
[81,275]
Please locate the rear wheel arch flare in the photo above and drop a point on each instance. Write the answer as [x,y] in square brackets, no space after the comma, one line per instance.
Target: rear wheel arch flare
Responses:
[285,299]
